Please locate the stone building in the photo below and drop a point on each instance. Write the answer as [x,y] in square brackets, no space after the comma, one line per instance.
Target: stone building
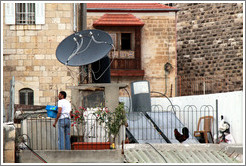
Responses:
[145,39]
[210,47]
[29,51]
[149,31]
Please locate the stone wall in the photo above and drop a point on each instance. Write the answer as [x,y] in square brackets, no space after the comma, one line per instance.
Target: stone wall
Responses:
[158,46]
[29,54]
[8,143]
[210,43]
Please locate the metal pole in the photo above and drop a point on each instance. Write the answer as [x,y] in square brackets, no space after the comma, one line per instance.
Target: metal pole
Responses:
[4,114]
[204,87]
[74,17]
[82,25]
[83,16]
[12,101]
[217,121]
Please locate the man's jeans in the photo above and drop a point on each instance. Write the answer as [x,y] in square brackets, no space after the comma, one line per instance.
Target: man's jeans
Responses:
[64,134]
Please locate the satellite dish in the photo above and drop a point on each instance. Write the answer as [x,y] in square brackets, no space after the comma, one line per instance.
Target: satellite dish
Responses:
[84,47]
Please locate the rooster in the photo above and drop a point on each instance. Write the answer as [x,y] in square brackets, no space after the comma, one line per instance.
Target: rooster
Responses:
[181,137]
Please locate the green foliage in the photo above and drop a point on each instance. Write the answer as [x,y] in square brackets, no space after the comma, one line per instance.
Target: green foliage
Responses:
[113,120]
[118,119]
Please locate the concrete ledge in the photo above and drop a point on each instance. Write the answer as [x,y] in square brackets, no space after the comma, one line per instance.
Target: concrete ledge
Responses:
[73,156]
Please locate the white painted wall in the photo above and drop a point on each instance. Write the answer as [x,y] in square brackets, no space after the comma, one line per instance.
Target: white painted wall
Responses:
[231,105]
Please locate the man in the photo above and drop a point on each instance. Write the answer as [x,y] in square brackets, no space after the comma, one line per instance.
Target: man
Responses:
[63,119]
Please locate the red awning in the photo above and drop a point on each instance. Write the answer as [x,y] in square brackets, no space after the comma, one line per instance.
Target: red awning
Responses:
[118,20]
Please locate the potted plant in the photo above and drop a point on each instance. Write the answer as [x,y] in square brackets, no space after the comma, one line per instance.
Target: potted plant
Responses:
[83,122]
[113,120]
[110,120]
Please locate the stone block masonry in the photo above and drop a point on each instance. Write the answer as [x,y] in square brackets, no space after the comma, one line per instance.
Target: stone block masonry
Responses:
[210,43]
[158,38]
[29,55]
[8,143]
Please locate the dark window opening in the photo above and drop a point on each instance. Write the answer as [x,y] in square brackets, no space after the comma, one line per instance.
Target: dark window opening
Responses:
[26,96]
[126,51]
[169,4]
[125,41]
[25,13]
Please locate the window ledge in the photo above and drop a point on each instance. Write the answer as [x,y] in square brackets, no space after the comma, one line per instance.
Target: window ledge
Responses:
[24,27]
[127,72]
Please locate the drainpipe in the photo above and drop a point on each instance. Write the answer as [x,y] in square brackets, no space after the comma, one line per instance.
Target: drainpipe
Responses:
[217,121]
[74,17]
[176,56]
[168,66]
[82,25]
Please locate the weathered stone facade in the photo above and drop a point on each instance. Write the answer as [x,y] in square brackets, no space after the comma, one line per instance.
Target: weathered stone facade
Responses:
[158,46]
[29,53]
[8,143]
[210,43]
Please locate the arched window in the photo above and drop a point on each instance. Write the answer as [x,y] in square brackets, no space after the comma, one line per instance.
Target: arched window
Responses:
[26,96]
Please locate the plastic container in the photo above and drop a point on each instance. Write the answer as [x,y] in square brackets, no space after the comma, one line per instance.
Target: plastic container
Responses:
[51,111]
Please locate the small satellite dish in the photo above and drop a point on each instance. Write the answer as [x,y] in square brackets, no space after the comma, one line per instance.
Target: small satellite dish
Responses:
[84,47]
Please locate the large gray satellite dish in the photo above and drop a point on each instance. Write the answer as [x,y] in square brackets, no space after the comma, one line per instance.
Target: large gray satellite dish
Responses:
[84,47]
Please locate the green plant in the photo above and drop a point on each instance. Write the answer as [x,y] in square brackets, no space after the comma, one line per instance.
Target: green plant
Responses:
[112,119]
[118,119]
[102,114]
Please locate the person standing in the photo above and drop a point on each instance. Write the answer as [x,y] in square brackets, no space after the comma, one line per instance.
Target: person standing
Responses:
[63,119]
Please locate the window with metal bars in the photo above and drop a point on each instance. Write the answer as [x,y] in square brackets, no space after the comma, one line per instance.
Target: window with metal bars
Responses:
[26,96]
[25,13]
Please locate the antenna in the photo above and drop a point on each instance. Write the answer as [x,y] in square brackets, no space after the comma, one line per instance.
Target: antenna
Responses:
[84,47]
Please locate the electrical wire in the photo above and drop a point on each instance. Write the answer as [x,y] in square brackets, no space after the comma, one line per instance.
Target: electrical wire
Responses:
[168,100]
[71,72]
[86,47]
[130,104]
[28,138]
[157,151]
[37,155]
[93,73]
[98,67]
[166,97]
[79,45]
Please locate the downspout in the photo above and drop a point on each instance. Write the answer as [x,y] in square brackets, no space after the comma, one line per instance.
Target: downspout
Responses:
[168,66]
[74,17]
[176,56]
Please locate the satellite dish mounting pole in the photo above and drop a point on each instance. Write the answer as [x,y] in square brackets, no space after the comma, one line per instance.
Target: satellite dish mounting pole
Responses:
[82,25]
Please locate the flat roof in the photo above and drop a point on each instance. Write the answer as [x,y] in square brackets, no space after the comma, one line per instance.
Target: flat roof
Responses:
[130,7]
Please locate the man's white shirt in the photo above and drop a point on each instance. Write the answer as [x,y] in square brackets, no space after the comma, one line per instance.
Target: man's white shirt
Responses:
[66,108]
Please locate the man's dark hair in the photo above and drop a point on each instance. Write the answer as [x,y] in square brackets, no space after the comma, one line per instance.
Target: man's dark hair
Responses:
[64,94]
